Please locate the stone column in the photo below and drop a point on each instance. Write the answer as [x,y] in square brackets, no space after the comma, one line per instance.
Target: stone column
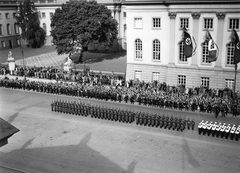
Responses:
[114,12]
[195,16]
[118,18]
[172,44]
[221,17]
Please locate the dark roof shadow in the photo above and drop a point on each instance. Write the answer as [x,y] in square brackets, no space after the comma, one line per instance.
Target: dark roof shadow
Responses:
[69,158]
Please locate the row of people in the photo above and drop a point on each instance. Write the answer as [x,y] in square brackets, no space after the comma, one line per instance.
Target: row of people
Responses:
[132,95]
[52,73]
[222,130]
[166,122]
[122,115]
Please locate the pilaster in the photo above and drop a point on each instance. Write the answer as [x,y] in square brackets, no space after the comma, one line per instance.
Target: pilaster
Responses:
[195,16]
[221,17]
[172,17]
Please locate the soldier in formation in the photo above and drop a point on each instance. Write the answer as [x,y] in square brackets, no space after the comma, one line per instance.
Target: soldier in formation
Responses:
[121,115]
[219,130]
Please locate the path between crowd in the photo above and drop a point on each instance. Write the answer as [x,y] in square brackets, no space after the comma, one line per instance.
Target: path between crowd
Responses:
[56,142]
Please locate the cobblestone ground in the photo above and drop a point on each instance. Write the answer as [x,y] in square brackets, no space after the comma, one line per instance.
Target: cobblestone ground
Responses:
[56,142]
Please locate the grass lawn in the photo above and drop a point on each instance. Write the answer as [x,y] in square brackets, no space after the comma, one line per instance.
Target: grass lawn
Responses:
[97,61]
[28,52]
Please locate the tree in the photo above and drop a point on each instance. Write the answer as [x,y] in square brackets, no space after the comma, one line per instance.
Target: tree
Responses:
[28,20]
[80,23]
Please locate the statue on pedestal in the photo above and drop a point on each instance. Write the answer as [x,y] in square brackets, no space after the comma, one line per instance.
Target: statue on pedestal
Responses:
[11,62]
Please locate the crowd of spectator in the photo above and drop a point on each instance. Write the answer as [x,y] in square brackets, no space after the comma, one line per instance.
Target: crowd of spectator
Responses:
[52,73]
[217,101]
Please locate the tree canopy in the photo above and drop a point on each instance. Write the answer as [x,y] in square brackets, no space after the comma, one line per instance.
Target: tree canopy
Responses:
[80,23]
[28,21]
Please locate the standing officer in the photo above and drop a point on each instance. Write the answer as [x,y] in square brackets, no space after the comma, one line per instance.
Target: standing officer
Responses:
[192,124]
[209,127]
[214,126]
[218,129]
[227,131]
[232,132]
[237,133]
[204,127]
[200,126]
[222,131]
[188,123]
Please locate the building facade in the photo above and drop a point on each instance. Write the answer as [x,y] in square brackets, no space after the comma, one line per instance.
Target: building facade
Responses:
[9,30]
[151,32]
[46,9]
[155,47]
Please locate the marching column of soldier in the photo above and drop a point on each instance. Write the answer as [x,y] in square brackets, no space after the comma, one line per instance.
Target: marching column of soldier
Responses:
[122,115]
[222,130]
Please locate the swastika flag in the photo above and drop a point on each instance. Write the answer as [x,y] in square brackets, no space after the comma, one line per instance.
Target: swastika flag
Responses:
[237,48]
[212,49]
[188,46]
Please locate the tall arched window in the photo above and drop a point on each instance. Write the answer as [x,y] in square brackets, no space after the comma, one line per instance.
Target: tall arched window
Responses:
[156,49]
[1,29]
[205,53]
[45,27]
[9,29]
[230,53]
[182,57]
[138,49]
[16,28]
[124,29]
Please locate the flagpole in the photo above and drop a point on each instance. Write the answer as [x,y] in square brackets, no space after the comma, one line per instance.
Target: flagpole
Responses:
[235,82]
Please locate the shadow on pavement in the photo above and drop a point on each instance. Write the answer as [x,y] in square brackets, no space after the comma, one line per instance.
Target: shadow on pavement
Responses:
[69,158]
[190,157]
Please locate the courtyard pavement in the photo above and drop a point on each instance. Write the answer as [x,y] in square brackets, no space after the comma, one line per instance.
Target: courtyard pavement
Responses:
[51,142]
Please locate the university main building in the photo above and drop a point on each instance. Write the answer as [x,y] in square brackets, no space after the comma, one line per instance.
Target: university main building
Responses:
[151,32]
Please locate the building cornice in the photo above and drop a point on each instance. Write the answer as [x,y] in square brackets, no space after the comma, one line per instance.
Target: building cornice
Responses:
[164,3]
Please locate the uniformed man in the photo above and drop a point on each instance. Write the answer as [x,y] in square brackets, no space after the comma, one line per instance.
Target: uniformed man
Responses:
[214,126]
[174,123]
[166,122]
[170,123]
[161,121]
[204,127]
[200,126]
[227,131]
[209,128]
[222,131]
[192,124]
[218,129]
[188,123]
[53,105]
[232,132]
[182,124]
[237,133]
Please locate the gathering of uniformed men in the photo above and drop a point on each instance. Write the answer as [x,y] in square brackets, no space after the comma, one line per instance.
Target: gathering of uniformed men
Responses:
[156,99]
[122,115]
[222,130]
[149,96]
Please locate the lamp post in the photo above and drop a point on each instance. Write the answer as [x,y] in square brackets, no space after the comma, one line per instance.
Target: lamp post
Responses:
[19,13]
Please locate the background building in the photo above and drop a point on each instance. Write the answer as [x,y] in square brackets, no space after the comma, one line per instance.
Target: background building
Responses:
[9,31]
[151,31]
[155,49]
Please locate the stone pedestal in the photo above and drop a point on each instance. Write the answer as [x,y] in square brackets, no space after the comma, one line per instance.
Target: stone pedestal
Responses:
[11,63]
